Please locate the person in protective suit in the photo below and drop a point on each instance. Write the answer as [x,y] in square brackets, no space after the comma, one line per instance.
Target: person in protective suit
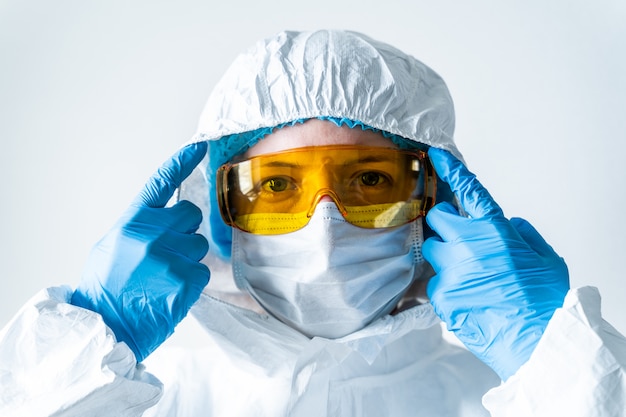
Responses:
[325,204]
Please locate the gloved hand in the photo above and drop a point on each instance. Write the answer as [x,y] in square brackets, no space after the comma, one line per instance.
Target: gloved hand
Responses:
[497,281]
[145,274]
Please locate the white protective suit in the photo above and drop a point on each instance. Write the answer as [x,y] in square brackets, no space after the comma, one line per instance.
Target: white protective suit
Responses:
[60,360]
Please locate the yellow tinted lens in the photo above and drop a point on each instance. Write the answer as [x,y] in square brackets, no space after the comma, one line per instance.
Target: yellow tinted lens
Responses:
[276,193]
[384,215]
[271,223]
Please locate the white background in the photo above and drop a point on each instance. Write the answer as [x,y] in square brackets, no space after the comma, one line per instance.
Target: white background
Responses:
[94,95]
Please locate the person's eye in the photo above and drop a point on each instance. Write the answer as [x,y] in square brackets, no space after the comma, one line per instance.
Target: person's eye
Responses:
[276,184]
[372,179]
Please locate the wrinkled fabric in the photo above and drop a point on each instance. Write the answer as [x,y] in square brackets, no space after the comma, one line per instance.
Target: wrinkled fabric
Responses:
[58,359]
[577,369]
[257,366]
[302,75]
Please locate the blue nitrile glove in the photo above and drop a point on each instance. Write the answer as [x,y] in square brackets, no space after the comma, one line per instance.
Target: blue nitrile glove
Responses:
[145,274]
[497,282]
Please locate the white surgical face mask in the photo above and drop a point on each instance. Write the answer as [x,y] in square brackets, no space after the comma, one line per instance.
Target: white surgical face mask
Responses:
[329,278]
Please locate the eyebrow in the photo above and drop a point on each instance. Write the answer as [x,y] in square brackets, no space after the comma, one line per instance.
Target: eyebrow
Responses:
[281,164]
[367,159]
[297,165]
[363,160]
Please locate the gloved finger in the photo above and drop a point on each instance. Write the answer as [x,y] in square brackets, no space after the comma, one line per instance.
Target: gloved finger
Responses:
[434,251]
[532,237]
[195,281]
[164,182]
[190,276]
[184,217]
[193,247]
[443,219]
[474,198]
[181,277]
[197,277]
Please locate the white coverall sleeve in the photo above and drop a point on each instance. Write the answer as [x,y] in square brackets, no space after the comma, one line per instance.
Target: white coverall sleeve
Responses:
[577,369]
[60,360]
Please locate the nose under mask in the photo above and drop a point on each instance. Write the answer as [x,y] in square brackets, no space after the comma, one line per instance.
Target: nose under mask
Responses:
[329,278]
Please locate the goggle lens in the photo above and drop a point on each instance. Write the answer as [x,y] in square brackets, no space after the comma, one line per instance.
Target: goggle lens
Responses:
[373,187]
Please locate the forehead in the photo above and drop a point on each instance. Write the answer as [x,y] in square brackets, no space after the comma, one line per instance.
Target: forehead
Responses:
[315,132]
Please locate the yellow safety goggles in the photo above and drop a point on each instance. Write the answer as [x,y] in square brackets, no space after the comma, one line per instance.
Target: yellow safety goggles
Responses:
[373,187]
